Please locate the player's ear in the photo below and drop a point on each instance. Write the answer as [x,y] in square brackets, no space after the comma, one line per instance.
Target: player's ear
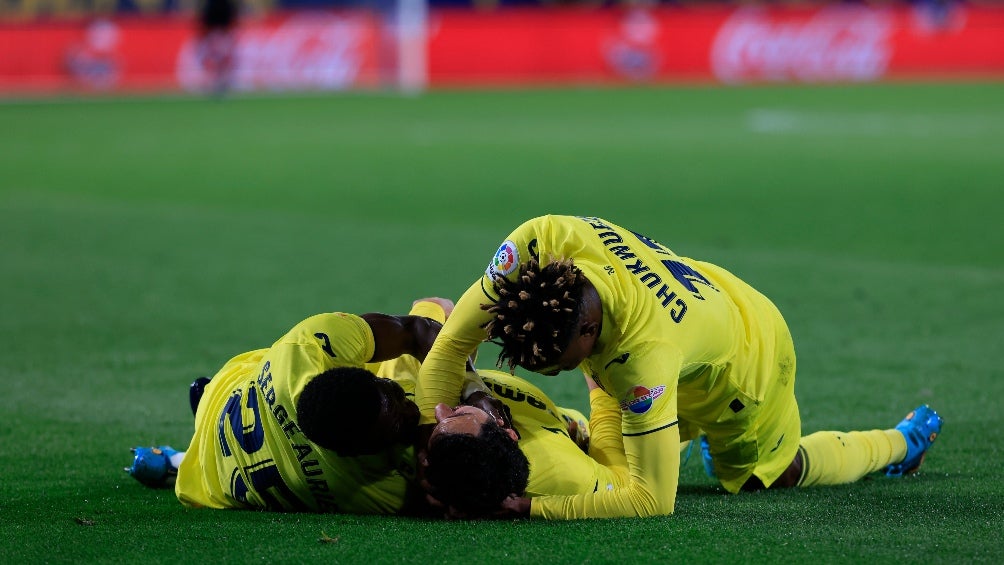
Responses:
[511,432]
[590,328]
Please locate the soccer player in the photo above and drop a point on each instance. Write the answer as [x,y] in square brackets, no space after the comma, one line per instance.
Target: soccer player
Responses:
[475,461]
[307,424]
[684,346]
[366,462]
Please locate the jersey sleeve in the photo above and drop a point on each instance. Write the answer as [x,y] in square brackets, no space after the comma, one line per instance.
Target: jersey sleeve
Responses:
[606,444]
[320,343]
[441,377]
[644,385]
[654,470]
[429,310]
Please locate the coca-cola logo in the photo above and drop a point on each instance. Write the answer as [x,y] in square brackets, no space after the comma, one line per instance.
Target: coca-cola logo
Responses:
[303,52]
[831,44]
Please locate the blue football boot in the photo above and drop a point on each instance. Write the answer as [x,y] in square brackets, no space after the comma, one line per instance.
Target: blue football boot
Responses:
[920,427]
[709,465]
[152,466]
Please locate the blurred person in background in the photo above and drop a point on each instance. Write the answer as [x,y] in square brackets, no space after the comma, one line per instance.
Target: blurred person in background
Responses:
[217,45]
[94,62]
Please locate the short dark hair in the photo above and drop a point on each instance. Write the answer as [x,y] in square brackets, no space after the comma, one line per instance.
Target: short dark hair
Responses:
[335,405]
[474,474]
[536,315]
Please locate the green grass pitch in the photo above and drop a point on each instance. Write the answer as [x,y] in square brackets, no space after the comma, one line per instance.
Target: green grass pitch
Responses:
[145,241]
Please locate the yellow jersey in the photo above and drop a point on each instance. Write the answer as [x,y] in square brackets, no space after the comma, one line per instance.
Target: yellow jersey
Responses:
[249,452]
[557,464]
[678,338]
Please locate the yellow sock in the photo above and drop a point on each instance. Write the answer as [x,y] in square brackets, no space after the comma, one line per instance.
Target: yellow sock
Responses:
[835,458]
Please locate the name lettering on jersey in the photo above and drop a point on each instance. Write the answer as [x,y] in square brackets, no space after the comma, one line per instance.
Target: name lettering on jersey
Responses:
[310,467]
[640,399]
[614,242]
[511,393]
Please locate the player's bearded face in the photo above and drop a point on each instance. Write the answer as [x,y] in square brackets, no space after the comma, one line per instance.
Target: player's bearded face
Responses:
[460,420]
[464,420]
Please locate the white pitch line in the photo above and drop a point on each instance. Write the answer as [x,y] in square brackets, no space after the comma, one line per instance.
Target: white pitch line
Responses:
[784,121]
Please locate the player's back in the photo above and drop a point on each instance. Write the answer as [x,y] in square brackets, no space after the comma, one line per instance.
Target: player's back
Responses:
[248,450]
[557,464]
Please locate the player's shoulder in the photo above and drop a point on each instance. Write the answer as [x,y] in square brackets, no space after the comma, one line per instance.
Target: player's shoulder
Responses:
[325,330]
[332,320]
[547,221]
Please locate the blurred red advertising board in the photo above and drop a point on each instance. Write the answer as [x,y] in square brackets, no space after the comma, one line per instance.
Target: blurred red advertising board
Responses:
[284,51]
[729,45]
[339,50]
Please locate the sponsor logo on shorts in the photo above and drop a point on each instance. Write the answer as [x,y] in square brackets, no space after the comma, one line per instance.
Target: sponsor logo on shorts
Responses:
[640,399]
[505,261]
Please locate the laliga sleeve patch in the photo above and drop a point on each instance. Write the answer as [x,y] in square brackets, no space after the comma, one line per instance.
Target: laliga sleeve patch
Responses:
[505,261]
[640,399]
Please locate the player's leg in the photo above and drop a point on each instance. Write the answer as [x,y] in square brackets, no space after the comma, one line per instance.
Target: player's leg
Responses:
[832,458]
[758,452]
[772,426]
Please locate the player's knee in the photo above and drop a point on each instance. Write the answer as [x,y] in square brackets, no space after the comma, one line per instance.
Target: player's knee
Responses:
[791,475]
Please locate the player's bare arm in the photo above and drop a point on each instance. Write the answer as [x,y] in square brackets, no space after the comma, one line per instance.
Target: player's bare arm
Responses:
[401,335]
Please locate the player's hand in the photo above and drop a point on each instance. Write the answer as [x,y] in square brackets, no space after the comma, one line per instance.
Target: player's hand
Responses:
[436,506]
[421,453]
[494,407]
[448,512]
[445,303]
[580,439]
[514,507]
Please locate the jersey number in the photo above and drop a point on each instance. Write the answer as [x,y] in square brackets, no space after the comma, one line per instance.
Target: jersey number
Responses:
[684,274]
[264,476]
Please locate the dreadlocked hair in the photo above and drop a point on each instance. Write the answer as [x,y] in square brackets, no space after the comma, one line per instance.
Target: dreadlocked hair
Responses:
[536,314]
